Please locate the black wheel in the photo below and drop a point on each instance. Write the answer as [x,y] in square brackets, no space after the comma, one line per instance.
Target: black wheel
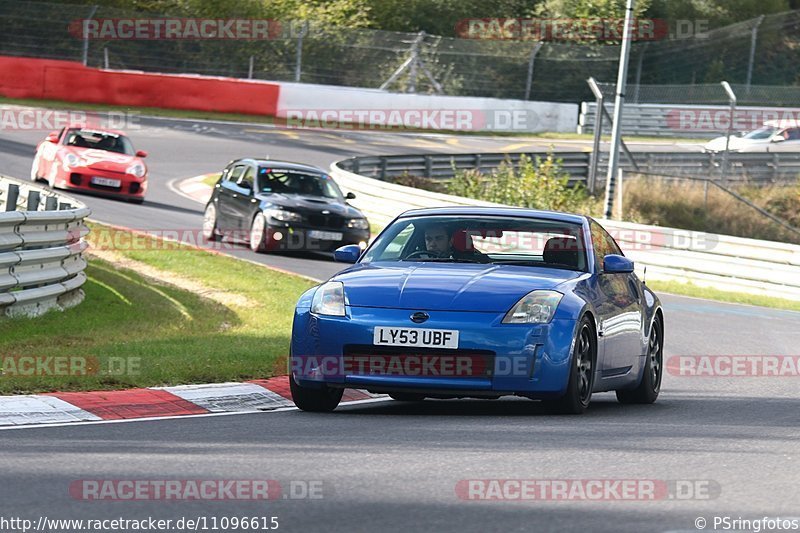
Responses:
[210,230]
[650,386]
[322,400]
[406,396]
[258,233]
[581,374]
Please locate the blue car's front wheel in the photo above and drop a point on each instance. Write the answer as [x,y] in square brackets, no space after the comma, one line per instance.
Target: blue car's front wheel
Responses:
[322,400]
[581,376]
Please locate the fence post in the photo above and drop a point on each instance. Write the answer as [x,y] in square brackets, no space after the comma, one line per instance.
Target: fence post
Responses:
[13,196]
[529,81]
[85,27]
[105,57]
[639,73]
[591,178]
[753,39]
[619,193]
[298,65]
[732,100]
[33,201]
[250,68]
[384,164]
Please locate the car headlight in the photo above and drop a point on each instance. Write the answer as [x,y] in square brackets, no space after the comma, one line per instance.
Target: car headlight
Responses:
[136,169]
[71,160]
[536,307]
[284,216]
[329,299]
[358,223]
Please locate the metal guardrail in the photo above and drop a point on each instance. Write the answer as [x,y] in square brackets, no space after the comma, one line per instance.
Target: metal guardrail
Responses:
[719,261]
[680,120]
[41,249]
[755,167]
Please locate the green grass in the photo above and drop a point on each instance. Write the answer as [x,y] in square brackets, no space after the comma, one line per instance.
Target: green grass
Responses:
[211,179]
[690,289]
[174,336]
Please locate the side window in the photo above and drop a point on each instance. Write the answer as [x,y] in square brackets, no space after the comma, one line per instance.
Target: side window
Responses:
[248,180]
[793,134]
[234,175]
[395,248]
[603,243]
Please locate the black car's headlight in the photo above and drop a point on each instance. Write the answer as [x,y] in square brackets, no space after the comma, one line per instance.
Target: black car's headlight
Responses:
[282,215]
[536,307]
[329,299]
[358,223]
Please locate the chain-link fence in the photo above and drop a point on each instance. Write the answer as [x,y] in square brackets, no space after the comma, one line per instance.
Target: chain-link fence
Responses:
[753,53]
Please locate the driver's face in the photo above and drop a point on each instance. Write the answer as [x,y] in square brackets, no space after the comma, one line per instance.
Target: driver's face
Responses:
[437,240]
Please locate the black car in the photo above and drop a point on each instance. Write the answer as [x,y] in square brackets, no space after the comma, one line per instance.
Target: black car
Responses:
[281,206]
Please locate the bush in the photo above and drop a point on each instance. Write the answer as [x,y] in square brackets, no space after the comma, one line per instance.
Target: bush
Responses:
[536,184]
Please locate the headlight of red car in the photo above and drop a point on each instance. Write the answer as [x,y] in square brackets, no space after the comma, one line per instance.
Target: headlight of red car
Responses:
[71,161]
[136,169]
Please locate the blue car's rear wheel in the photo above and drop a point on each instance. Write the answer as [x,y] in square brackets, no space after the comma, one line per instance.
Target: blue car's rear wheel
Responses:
[322,400]
[650,385]
[581,375]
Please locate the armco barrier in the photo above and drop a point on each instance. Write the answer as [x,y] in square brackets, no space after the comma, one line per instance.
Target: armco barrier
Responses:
[681,120]
[41,251]
[765,167]
[719,261]
[73,82]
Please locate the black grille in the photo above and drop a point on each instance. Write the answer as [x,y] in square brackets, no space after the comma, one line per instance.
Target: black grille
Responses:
[326,221]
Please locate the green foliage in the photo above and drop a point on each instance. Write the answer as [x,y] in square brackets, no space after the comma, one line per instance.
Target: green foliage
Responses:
[539,183]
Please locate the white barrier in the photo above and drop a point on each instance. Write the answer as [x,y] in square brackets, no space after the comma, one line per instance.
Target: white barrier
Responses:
[477,114]
[707,260]
[41,252]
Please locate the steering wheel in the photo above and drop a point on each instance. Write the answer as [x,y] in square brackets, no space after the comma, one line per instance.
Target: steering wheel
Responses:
[421,253]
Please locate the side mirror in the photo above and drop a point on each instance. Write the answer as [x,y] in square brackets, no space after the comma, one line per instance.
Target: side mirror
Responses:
[52,137]
[617,264]
[349,196]
[347,254]
[777,138]
[141,153]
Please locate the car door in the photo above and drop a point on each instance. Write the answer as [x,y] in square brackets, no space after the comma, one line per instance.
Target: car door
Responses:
[226,214]
[620,309]
[243,200]
[790,142]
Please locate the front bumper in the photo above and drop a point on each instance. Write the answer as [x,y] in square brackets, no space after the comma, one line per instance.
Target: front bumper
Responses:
[528,360]
[295,237]
[81,178]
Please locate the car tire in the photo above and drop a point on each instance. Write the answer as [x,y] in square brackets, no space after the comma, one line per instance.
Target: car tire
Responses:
[576,399]
[406,396]
[323,400]
[258,233]
[210,230]
[650,385]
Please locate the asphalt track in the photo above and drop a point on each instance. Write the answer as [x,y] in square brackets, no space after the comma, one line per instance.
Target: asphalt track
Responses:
[391,466]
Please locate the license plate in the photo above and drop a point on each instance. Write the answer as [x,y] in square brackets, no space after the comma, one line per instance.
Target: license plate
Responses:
[417,337]
[106,182]
[325,235]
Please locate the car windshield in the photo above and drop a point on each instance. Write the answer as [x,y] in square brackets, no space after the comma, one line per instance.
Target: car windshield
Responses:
[289,181]
[761,133]
[535,242]
[99,140]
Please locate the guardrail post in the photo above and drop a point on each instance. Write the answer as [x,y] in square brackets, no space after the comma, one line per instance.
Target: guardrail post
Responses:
[64,206]
[428,166]
[356,166]
[13,196]
[384,164]
[51,203]
[478,161]
[33,201]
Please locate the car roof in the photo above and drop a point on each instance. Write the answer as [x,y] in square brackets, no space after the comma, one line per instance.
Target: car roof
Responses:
[96,130]
[497,211]
[278,164]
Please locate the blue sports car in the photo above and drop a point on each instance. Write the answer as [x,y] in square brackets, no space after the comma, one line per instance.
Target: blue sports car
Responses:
[481,302]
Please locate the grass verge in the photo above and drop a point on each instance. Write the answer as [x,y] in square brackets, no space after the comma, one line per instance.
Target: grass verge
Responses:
[707,293]
[136,331]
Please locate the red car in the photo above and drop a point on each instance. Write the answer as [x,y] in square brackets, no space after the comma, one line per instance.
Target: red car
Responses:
[92,160]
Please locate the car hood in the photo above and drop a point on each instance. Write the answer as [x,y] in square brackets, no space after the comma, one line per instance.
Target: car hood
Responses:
[446,286]
[104,160]
[316,204]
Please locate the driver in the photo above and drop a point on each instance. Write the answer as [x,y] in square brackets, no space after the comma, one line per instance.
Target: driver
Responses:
[438,241]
